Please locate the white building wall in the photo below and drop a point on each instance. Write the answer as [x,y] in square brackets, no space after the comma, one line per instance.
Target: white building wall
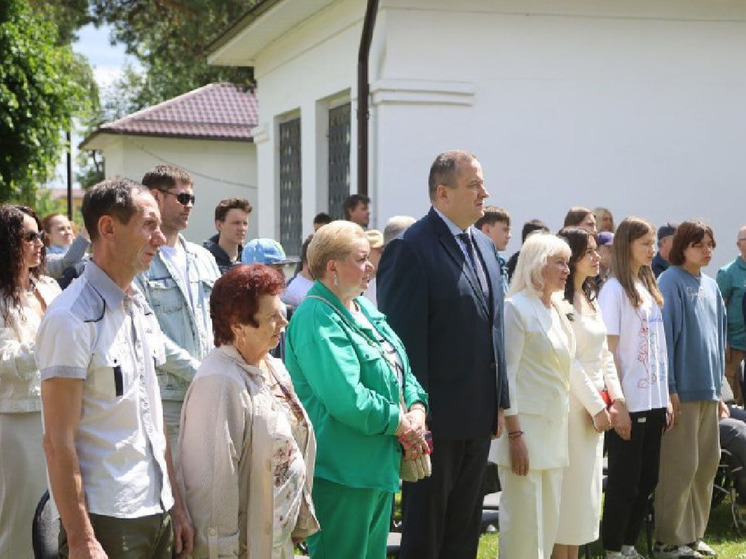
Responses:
[220,169]
[305,72]
[638,109]
[633,105]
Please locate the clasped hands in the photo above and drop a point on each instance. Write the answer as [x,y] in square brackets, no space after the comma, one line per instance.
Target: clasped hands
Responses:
[619,420]
[411,433]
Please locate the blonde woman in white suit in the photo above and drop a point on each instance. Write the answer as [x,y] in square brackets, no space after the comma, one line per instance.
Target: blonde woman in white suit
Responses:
[539,349]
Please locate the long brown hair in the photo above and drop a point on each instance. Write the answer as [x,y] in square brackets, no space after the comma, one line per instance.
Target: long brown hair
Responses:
[577,238]
[629,230]
[11,255]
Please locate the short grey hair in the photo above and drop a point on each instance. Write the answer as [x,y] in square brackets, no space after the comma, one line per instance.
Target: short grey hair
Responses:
[396,226]
[115,197]
[445,169]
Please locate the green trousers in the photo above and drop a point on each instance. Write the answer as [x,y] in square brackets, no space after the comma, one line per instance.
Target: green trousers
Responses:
[130,538]
[354,522]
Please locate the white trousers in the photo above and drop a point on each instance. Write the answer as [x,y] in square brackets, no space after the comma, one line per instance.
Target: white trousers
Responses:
[23,479]
[529,513]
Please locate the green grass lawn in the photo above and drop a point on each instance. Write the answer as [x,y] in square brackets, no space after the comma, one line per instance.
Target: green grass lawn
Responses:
[721,535]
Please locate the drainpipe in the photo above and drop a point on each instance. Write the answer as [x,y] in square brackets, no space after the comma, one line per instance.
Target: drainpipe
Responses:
[363,92]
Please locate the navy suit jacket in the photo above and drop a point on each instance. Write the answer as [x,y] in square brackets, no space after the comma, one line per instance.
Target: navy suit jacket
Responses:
[452,333]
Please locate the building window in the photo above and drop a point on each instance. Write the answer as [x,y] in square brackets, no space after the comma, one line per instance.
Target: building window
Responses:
[339,158]
[290,187]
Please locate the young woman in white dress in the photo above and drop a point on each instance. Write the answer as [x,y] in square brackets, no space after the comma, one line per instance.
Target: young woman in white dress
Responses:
[595,398]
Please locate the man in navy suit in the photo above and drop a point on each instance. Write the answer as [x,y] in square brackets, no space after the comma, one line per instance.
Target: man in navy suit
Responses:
[441,287]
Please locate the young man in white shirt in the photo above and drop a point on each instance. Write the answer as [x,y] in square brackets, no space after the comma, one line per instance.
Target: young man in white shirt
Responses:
[177,286]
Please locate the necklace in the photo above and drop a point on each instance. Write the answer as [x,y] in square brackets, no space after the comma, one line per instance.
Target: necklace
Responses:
[31,286]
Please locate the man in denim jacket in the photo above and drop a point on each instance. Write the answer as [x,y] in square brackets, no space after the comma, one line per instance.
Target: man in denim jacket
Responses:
[177,286]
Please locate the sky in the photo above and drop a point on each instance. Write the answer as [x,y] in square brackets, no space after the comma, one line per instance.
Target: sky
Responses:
[108,62]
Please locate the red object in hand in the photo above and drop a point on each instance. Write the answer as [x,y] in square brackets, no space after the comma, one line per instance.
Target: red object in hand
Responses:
[429,441]
[606,397]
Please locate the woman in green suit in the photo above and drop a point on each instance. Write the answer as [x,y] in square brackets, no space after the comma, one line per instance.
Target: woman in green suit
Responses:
[351,372]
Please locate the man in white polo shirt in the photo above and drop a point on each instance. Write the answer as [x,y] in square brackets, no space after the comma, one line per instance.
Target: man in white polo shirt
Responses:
[108,460]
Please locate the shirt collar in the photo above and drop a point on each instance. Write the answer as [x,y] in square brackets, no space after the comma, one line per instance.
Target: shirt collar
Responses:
[112,294]
[452,227]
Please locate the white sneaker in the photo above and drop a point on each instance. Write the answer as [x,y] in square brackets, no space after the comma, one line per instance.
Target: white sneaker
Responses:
[703,549]
[663,551]
[630,552]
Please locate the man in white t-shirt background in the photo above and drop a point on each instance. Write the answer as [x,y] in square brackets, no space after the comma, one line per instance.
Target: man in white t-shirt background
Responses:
[177,286]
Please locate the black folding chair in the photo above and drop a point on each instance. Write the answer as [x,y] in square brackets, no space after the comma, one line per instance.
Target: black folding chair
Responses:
[724,487]
[45,530]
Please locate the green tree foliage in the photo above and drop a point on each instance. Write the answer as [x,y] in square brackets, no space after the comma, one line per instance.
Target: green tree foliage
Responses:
[68,15]
[170,38]
[43,86]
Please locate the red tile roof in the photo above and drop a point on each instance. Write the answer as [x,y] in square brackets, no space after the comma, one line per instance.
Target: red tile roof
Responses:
[218,111]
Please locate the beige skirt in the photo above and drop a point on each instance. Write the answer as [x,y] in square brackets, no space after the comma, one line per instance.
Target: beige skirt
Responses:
[22,481]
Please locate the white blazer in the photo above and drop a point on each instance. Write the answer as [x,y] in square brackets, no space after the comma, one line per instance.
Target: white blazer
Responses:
[539,362]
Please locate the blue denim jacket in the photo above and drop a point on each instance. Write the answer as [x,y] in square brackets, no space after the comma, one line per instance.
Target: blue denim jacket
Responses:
[185,321]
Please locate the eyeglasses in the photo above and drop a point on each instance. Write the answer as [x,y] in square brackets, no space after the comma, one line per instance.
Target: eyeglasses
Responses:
[33,236]
[183,198]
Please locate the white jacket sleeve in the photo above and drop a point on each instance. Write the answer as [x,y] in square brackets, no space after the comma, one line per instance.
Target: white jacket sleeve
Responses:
[17,359]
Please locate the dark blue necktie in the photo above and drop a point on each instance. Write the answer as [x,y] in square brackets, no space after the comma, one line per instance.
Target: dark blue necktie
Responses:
[472,257]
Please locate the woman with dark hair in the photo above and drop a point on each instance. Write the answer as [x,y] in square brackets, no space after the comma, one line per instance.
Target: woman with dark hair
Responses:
[62,251]
[631,306]
[578,216]
[247,445]
[596,400]
[24,296]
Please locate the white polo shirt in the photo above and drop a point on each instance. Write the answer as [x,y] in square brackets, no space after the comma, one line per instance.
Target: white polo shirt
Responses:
[96,332]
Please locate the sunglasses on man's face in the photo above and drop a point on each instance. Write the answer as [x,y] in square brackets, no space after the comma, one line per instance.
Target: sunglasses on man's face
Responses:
[33,236]
[183,198]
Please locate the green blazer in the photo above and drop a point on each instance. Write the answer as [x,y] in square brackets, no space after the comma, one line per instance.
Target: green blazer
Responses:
[349,390]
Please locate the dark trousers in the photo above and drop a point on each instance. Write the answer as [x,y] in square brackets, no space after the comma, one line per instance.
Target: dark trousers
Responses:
[147,537]
[442,513]
[733,439]
[633,475]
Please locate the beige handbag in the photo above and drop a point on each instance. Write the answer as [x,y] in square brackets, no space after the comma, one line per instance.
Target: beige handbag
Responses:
[417,469]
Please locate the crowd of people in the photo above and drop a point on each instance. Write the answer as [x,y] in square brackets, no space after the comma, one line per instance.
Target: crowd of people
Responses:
[186,400]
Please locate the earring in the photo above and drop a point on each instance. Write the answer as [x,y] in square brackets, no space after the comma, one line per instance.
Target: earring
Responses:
[336,280]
